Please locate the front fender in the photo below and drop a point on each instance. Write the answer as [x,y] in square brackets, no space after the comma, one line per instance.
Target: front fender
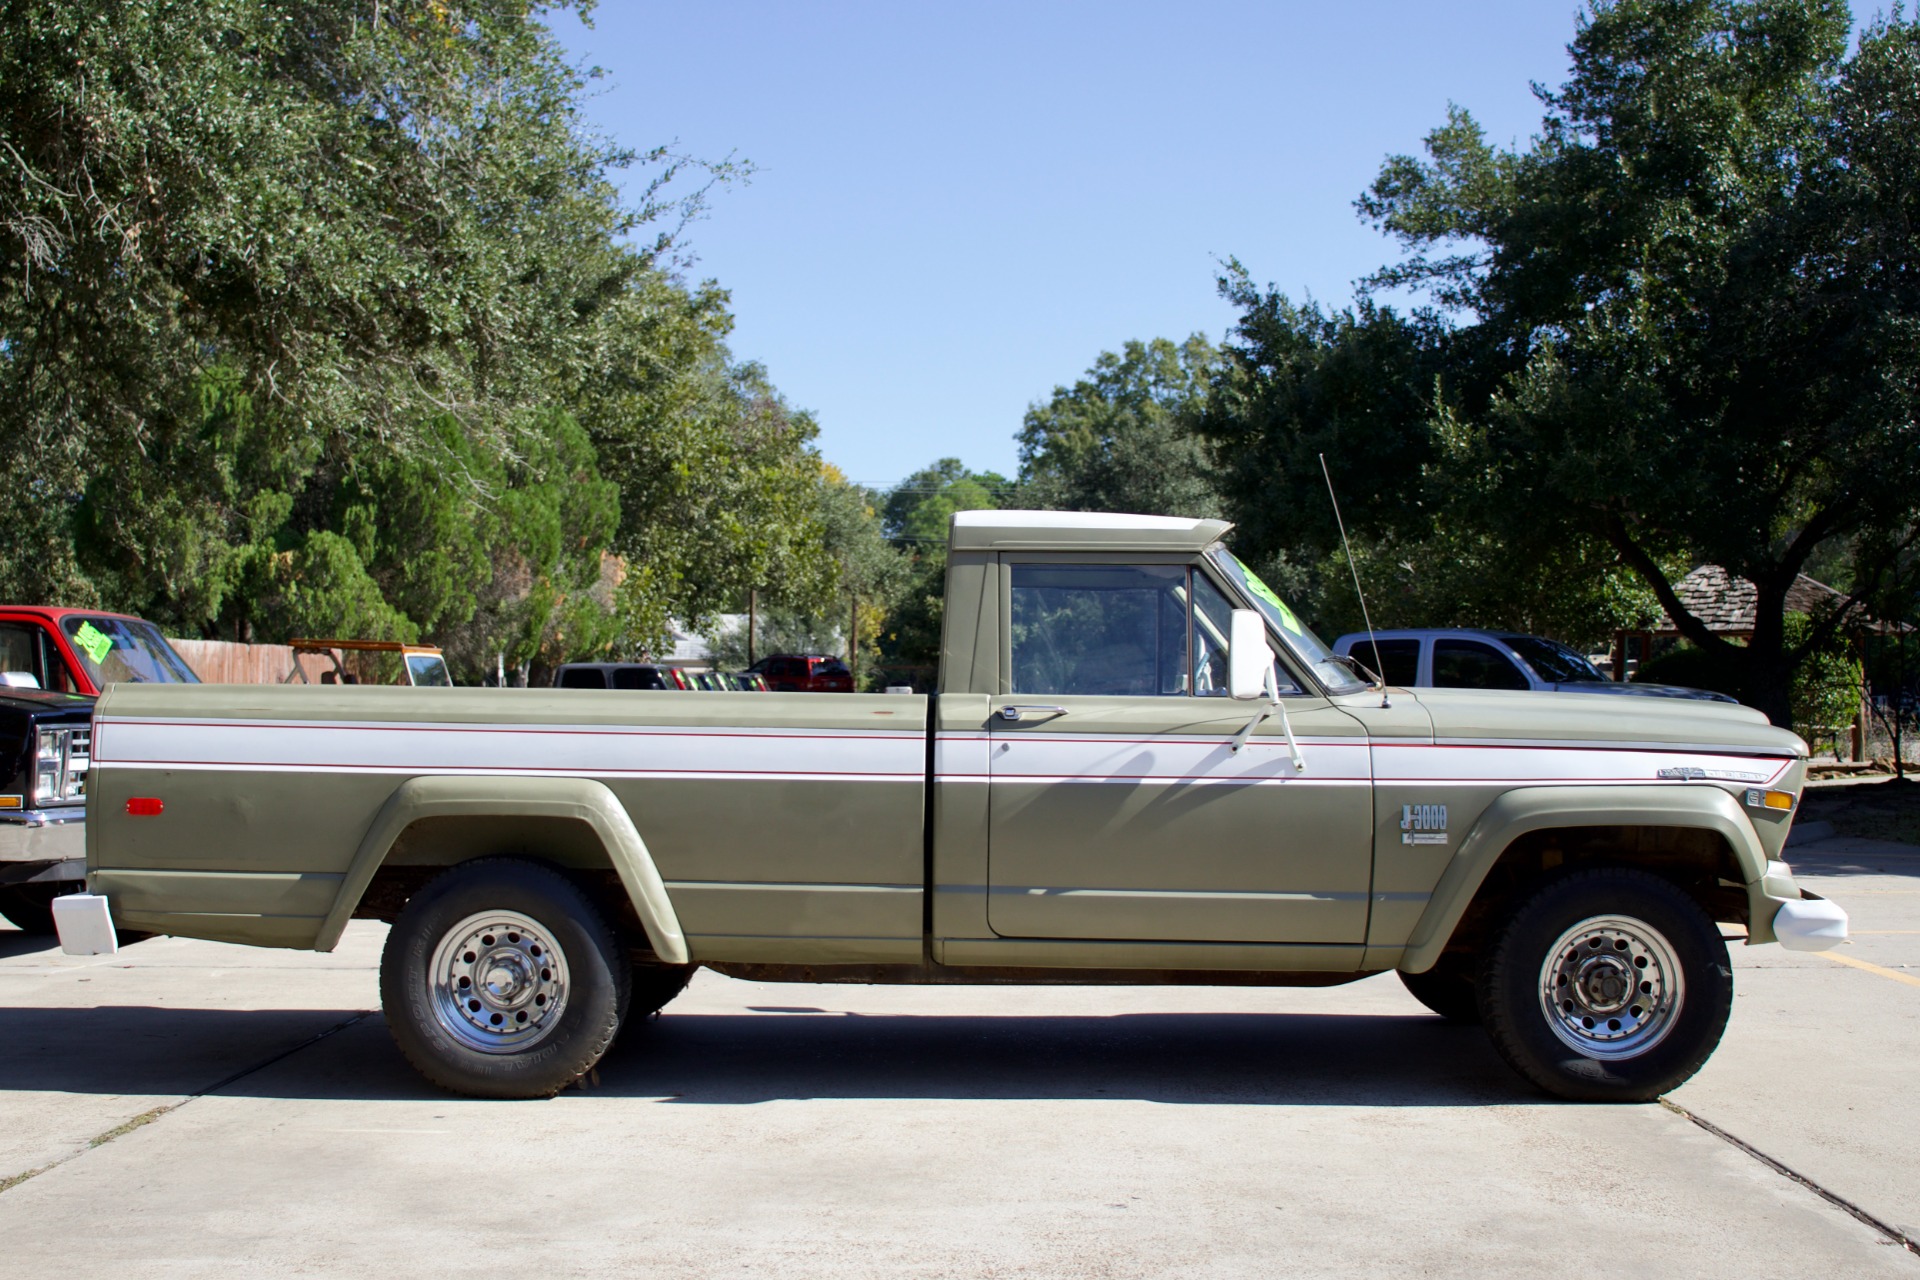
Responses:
[576,799]
[1529,809]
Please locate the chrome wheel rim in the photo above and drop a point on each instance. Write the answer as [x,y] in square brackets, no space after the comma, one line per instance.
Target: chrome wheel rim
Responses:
[499,982]
[1611,987]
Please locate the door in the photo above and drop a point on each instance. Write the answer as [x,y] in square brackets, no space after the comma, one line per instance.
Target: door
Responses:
[1118,808]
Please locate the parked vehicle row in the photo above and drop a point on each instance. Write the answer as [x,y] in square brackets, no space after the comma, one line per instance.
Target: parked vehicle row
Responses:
[776,673]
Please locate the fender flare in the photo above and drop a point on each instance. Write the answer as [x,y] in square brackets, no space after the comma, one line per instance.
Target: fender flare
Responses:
[576,799]
[1528,809]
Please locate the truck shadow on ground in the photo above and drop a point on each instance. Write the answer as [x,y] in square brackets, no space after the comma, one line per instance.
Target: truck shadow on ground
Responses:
[1843,856]
[794,1053]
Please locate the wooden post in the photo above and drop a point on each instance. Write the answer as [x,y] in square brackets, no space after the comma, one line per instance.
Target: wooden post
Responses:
[753,600]
[853,641]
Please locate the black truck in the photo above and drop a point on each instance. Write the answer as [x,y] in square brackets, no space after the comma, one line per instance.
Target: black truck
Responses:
[45,748]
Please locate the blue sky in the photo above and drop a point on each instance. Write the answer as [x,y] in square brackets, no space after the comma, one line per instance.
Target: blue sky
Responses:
[957,207]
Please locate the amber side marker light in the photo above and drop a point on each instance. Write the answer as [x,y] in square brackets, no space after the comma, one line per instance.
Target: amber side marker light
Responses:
[144,807]
[1781,800]
[9,802]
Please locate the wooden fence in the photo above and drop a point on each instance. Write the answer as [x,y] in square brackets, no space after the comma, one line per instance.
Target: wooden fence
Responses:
[225,662]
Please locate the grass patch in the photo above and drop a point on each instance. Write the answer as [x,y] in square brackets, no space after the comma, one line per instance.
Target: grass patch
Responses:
[121,1131]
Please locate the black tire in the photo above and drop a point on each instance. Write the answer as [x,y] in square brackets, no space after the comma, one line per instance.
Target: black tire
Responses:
[1448,989]
[545,925]
[1622,1027]
[655,985]
[30,906]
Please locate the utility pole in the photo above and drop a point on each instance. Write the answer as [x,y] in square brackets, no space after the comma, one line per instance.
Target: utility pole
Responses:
[753,600]
[853,641]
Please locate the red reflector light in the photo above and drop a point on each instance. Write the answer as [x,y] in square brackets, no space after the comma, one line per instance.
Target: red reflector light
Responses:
[144,807]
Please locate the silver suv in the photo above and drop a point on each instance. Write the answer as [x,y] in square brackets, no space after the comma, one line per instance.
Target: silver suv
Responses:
[1461,658]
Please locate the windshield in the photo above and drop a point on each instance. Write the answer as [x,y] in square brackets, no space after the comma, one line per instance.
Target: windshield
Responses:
[1332,673]
[1552,660]
[123,650]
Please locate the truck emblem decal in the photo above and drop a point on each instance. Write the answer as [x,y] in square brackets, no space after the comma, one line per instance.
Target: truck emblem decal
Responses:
[1423,824]
[1689,773]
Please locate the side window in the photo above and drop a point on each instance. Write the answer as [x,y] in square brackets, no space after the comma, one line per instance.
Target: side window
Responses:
[583,678]
[1395,661]
[20,651]
[636,678]
[1468,664]
[1099,629]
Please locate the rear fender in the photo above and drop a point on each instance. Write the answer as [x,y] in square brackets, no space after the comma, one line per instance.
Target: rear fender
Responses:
[574,799]
[1529,809]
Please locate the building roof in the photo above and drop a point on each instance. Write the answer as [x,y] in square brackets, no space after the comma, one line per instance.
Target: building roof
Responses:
[1726,603]
[1080,531]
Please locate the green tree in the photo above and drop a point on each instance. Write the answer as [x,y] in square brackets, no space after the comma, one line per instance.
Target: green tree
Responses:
[1121,438]
[916,515]
[1689,303]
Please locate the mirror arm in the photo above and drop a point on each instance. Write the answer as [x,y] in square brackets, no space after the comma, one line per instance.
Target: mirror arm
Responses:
[1286,726]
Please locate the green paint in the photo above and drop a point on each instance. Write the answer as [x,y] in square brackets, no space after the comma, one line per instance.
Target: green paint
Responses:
[95,641]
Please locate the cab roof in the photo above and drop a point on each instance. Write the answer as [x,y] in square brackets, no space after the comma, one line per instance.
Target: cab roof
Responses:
[1080,531]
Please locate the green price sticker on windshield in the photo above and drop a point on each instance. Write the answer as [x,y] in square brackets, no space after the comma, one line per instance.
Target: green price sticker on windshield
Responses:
[1265,592]
[95,641]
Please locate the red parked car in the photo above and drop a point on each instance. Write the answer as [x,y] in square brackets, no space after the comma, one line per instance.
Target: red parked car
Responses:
[803,673]
[84,650]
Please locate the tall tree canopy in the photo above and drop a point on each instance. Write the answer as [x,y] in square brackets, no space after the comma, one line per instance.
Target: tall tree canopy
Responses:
[1702,283]
[1679,324]
[1121,438]
[328,315]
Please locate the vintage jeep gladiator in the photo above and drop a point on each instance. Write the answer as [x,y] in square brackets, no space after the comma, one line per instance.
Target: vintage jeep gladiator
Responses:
[1140,767]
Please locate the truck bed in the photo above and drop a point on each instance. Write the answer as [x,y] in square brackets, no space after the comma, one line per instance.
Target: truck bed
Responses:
[773,818]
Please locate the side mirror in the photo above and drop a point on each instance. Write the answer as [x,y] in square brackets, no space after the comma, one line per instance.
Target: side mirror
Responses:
[1249,660]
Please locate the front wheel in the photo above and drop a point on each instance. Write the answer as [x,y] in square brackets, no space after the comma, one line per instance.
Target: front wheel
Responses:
[1608,985]
[501,979]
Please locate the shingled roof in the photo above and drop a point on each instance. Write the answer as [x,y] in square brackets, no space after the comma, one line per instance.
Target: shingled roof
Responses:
[1726,603]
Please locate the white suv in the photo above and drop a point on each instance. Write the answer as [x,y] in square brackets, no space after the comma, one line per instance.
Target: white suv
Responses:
[1459,658]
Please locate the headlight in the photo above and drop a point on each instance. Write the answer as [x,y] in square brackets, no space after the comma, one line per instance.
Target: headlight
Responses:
[61,759]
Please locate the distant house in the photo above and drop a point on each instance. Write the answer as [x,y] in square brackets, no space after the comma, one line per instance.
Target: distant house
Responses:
[1727,605]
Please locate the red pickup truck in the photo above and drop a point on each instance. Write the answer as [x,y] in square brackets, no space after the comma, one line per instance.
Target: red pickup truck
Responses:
[85,650]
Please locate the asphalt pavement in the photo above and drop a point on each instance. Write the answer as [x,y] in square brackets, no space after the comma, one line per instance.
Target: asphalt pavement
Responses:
[187,1108]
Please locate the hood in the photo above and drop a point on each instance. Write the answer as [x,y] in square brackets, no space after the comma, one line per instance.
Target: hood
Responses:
[1640,690]
[43,700]
[1484,715]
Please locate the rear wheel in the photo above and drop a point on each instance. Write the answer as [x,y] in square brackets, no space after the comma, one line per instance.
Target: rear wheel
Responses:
[502,979]
[1607,986]
[1448,989]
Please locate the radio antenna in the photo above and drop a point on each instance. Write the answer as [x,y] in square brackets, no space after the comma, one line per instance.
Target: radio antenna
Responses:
[1354,569]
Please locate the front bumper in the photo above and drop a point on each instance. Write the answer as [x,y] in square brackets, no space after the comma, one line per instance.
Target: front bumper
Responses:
[1783,912]
[43,835]
[1810,924]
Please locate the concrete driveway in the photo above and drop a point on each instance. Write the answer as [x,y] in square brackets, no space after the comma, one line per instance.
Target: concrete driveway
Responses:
[185,1108]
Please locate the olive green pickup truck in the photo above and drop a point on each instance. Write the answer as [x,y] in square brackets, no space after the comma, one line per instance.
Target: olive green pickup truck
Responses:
[1140,768]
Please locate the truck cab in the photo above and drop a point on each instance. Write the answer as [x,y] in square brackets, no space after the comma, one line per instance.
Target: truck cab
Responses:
[84,650]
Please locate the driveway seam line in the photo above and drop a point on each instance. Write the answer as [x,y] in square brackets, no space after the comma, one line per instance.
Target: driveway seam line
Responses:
[149,1116]
[1845,1205]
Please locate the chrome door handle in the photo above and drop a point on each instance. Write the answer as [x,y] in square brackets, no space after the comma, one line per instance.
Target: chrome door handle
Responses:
[1012,712]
